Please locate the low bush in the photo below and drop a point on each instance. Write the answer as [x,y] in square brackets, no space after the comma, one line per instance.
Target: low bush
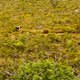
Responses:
[44,70]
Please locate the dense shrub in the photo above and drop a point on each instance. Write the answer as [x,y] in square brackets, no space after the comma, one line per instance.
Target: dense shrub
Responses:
[44,70]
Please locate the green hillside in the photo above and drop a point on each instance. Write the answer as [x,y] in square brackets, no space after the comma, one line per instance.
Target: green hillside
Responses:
[49,30]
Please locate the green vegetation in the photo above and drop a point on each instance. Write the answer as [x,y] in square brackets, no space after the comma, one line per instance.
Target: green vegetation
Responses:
[49,36]
[44,70]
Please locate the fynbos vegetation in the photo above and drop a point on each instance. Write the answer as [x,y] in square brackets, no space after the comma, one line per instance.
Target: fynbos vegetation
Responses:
[39,39]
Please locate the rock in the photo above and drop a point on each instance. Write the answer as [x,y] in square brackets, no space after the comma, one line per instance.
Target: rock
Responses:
[17,28]
[77,11]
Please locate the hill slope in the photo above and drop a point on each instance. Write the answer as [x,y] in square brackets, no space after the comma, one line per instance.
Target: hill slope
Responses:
[48,30]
